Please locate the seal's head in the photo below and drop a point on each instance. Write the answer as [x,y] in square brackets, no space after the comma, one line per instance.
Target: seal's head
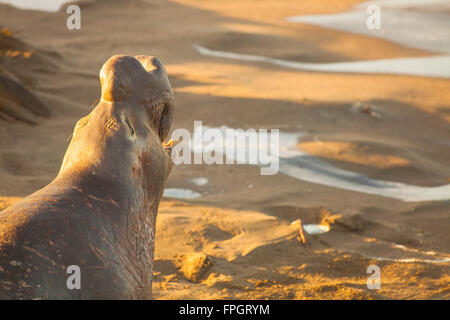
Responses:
[123,137]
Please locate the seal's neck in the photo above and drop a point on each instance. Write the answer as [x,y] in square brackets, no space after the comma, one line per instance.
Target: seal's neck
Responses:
[128,216]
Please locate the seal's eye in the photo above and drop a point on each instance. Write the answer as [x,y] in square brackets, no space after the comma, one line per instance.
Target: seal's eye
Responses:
[132,132]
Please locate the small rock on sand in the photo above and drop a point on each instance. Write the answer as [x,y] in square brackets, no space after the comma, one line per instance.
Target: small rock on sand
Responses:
[193,266]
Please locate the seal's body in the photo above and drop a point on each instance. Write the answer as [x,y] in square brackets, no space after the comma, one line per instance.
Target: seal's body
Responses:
[99,213]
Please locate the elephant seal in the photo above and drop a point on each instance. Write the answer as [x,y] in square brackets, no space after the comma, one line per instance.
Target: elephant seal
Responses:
[90,233]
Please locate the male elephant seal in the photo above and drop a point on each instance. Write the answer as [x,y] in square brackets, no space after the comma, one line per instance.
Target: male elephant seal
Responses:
[99,213]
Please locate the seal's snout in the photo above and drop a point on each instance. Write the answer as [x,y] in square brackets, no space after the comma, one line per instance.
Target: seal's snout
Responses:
[124,77]
[140,79]
[120,76]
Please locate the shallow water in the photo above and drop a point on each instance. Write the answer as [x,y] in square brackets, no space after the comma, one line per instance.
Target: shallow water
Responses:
[180,193]
[200,181]
[297,164]
[315,228]
[43,5]
[422,24]
[434,66]
[409,260]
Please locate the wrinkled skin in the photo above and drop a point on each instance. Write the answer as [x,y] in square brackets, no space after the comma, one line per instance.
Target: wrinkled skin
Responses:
[99,213]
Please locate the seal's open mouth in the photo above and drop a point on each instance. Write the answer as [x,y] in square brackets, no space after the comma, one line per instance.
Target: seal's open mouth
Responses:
[160,115]
[167,146]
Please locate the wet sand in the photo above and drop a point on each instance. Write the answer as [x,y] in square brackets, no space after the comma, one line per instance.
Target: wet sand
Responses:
[240,238]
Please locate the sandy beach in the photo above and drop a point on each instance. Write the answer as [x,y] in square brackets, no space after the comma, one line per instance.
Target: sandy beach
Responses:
[365,164]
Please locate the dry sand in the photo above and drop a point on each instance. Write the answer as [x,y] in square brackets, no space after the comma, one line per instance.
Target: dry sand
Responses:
[240,239]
